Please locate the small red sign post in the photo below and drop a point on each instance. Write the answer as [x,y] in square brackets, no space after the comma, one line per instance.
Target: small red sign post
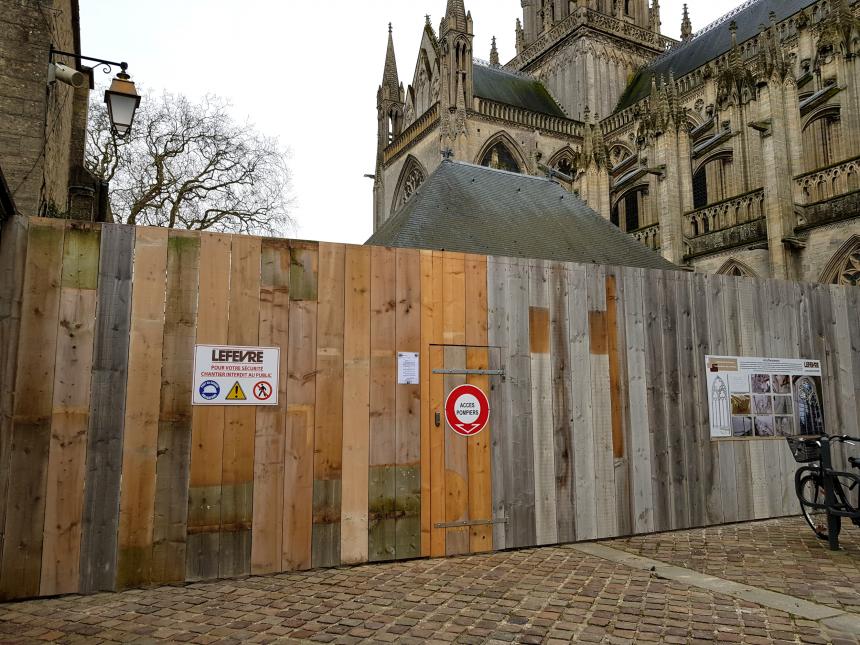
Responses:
[467,410]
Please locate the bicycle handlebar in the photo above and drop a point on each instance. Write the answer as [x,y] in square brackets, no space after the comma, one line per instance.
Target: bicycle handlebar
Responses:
[842,438]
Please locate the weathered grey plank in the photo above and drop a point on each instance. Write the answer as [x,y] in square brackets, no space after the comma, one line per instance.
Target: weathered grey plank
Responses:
[639,451]
[562,402]
[583,425]
[107,410]
[546,527]
[688,366]
[520,458]
[709,453]
[500,395]
[616,320]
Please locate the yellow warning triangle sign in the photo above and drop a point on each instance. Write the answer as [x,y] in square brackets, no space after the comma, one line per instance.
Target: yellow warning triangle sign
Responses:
[236,393]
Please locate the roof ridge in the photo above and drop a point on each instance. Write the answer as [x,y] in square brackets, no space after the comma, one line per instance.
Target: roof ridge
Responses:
[480,62]
[498,170]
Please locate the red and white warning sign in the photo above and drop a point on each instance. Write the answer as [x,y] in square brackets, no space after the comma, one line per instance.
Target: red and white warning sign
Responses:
[467,410]
[236,375]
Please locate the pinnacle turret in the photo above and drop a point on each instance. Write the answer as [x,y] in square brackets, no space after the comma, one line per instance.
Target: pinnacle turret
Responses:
[494,54]
[455,16]
[686,26]
[390,78]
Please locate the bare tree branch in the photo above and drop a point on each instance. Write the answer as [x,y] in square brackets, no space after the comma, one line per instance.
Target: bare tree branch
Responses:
[189,165]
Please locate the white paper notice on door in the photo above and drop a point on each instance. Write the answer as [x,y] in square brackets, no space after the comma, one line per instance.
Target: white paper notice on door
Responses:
[407,368]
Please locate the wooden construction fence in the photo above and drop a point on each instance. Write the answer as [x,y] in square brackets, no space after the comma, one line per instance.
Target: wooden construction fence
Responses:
[110,479]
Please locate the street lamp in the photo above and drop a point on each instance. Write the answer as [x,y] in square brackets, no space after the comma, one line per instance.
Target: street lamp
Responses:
[121,98]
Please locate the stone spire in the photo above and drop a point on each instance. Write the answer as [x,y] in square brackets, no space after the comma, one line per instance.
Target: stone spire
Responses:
[686,26]
[455,16]
[654,21]
[494,54]
[390,78]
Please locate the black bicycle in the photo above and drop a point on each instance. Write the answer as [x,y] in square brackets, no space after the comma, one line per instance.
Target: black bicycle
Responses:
[826,495]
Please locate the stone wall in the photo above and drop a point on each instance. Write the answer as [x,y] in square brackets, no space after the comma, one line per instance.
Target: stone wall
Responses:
[36,118]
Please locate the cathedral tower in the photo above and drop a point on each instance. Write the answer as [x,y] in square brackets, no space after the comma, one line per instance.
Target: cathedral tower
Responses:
[586,51]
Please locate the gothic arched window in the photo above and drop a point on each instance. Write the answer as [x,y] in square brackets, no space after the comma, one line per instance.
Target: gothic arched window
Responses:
[809,413]
[629,212]
[500,157]
[844,268]
[822,140]
[719,404]
[411,177]
[736,269]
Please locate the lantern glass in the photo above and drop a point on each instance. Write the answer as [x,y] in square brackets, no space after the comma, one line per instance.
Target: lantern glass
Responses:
[122,101]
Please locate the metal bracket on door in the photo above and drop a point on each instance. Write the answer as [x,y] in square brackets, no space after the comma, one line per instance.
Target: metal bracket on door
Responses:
[455,525]
[473,372]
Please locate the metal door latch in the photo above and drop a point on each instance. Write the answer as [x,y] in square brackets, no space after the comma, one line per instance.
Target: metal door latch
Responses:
[438,419]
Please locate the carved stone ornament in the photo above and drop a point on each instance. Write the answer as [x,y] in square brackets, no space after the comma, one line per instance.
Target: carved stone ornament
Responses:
[411,184]
[849,273]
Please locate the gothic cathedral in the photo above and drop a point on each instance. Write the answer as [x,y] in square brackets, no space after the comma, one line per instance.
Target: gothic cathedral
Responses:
[735,150]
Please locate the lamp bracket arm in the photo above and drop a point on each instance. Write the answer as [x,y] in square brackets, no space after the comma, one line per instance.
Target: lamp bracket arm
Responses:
[108,65]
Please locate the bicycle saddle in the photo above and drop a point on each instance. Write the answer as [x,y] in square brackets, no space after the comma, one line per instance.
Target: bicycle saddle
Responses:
[854,461]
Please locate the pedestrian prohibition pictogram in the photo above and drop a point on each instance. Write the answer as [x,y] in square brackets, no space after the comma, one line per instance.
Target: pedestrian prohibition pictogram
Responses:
[263,391]
[467,410]
[236,393]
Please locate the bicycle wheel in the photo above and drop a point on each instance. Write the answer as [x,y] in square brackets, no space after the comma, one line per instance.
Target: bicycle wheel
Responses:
[810,492]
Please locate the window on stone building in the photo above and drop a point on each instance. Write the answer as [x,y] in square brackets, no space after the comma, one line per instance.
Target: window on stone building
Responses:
[711,182]
[822,141]
[628,214]
[500,158]
[844,268]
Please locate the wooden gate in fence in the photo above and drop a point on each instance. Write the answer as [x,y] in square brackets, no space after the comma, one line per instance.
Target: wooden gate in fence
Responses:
[111,479]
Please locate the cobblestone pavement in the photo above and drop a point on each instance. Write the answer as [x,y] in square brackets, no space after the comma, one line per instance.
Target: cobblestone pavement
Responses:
[780,555]
[548,595]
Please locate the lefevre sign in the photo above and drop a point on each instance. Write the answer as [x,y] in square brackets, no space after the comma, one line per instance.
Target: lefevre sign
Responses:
[228,375]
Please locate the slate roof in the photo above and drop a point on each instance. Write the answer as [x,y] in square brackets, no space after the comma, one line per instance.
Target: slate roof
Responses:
[710,44]
[472,209]
[500,85]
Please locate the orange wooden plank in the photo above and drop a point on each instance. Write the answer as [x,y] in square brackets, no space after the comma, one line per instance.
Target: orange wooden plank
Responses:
[328,432]
[31,421]
[356,406]
[382,524]
[237,466]
[140,448]
[70,418]
[269,441]
[437,453]
[207,422]
[408,405]
[480,469]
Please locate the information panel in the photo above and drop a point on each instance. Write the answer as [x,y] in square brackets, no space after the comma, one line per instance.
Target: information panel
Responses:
[227,375]
[764,397]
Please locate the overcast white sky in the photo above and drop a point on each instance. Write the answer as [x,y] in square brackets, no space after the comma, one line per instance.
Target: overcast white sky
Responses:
[304,71]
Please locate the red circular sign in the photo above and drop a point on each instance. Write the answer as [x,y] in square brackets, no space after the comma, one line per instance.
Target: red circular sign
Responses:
[467,410]
[263,391]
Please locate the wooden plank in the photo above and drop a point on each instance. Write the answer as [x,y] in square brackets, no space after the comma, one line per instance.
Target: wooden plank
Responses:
[499,396]
[562,402]
[70,418]
[431,332]
[170,527]
[478,447]
[237,465]
[383,378]
[543,441]
[13,255]
[267,527]
[137,493]
[519,457]
[407,504]
[437,452]
[601,410]
[207,422]
[736,346]
[708,450]
[641,500]
[31,422]
[100,515]
[853,298]
[299,448]
[356,406]
[454,299]
[654,303]
[585,484]
[689,362]
[456,462]
[328,432]
[616,349]
[773,324]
